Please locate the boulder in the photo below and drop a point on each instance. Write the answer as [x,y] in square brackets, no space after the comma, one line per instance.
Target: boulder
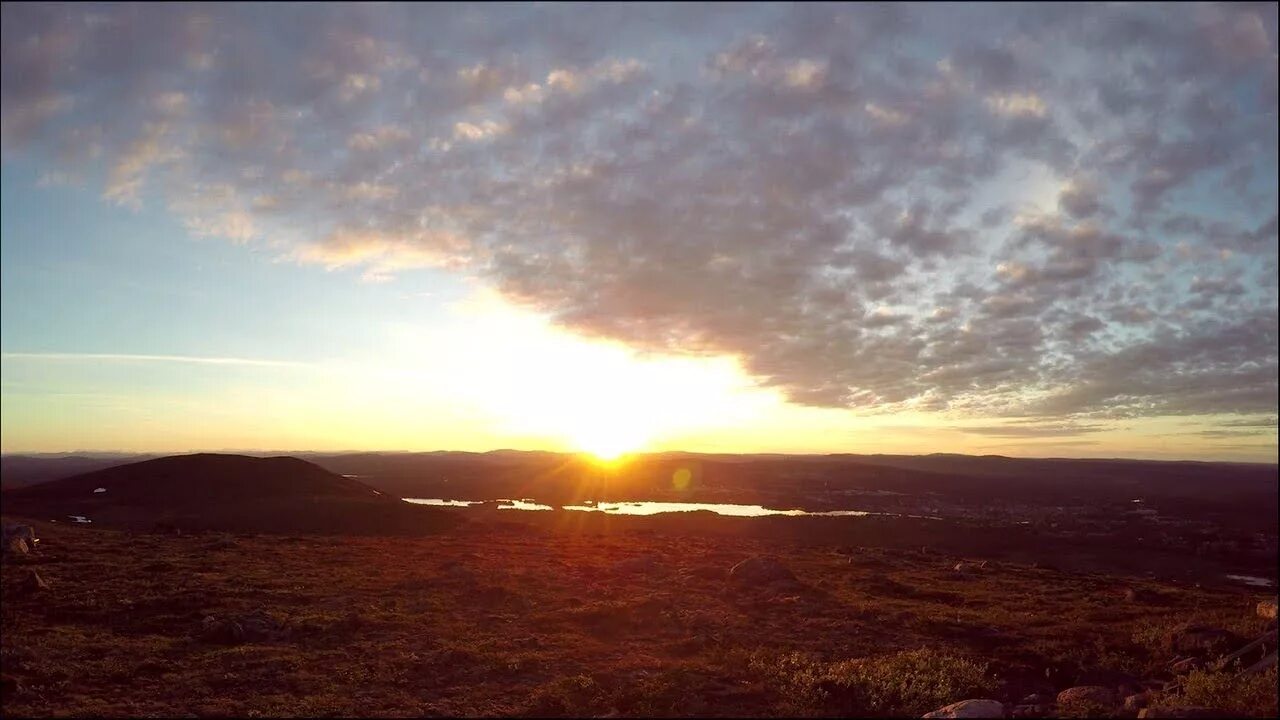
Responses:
[1202,640]
[258,625]
[25,532]
[254,627]
[1262,665]
[1250,653]
[1267,609]
[1088,694]
[33,583]
[1134,703]
[16,547]
[1142,596]
[9,684]
[216,630]
[1183,712]
[1032,711]
[760,571]
[969,709]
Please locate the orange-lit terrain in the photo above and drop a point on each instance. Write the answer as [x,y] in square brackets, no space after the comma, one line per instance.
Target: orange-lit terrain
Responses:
[577,613]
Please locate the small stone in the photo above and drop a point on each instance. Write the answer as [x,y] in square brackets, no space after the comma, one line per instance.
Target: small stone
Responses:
[969,709]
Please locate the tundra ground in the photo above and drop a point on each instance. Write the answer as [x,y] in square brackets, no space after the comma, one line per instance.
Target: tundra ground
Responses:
[500,619]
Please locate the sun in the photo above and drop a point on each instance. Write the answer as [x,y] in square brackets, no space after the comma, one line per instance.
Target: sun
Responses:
[548,387]
[609,440]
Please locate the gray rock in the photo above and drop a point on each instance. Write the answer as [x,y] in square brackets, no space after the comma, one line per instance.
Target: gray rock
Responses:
[16,547]
[216,630]
[1133,703]
[257,626]
[1088,694]
[25,532]
[1141,596]
[33,583]
[1202,640]
[969,709]
[1267,609]
[761,571]
[9,684]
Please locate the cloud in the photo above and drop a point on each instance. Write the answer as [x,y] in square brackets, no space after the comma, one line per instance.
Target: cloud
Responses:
[473,131]
[1263,422]
[1229,434]
[872,207]
[1017,105]
[1047,430]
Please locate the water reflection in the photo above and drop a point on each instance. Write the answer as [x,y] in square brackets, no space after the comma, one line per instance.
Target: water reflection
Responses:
[525,504]
[654,508]
[1251,580]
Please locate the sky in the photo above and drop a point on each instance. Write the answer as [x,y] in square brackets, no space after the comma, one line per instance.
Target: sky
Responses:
[1033,230]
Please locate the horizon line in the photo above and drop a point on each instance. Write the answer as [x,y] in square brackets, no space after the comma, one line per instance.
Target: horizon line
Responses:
[277,452]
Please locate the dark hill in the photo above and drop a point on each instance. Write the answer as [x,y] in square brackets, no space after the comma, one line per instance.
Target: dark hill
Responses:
[226,492]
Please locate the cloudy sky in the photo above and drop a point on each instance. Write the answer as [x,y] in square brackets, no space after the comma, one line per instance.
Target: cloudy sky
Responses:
[1031,230]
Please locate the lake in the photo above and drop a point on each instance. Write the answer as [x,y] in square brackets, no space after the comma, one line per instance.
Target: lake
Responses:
[653,508]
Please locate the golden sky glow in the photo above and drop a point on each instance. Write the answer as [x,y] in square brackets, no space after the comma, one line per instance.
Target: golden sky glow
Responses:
[515,381]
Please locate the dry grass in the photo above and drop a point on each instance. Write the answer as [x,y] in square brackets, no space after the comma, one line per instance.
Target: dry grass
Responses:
[512,621]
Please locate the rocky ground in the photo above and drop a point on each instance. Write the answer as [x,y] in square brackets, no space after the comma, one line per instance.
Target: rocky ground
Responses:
[503,619]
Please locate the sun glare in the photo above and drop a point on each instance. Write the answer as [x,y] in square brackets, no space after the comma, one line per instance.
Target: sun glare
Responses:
[539,382]
[609,440]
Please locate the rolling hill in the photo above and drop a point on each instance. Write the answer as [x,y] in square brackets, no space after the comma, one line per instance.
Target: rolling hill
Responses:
[212,491]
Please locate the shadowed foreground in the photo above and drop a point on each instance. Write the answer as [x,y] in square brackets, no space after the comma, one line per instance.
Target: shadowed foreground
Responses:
[502,620]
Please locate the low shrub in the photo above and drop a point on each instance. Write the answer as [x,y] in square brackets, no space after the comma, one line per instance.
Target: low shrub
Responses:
[1252,695]
[904,683]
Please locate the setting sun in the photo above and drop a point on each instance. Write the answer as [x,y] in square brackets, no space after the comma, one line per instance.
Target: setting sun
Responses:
[609,441]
